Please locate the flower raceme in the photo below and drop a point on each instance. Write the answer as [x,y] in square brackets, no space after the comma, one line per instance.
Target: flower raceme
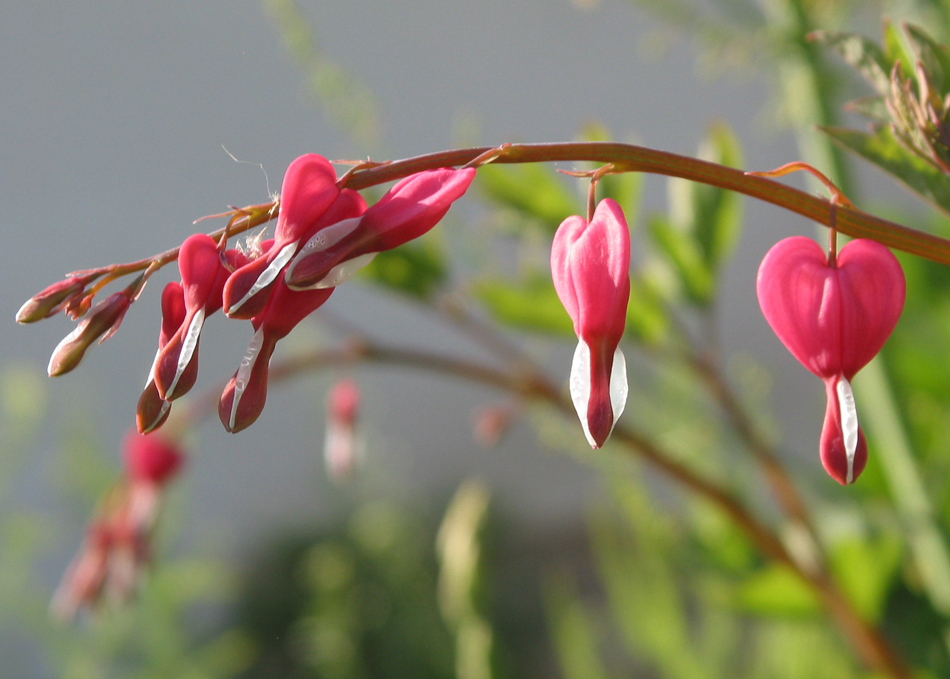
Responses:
[834,318]
[590,265]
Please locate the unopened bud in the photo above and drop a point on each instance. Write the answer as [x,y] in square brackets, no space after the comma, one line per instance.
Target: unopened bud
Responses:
[101,321]
[53,299]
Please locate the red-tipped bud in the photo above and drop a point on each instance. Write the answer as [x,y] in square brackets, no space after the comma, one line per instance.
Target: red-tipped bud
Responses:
[408,210]
[53,299]
[590,265]
[101,322]
[243,399]
[150,459]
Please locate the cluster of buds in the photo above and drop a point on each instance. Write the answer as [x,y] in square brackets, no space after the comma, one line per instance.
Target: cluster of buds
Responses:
[324,234]
[919,121]
[117,547]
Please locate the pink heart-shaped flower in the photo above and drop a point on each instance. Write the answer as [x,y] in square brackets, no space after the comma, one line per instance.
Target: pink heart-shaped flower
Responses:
[834,319]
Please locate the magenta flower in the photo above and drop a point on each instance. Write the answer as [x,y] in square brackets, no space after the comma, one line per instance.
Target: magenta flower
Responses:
[590,264]
[152,410]
[834,319]
[204,270]
[244,396]
[150,459]
[408,210]
[309,188]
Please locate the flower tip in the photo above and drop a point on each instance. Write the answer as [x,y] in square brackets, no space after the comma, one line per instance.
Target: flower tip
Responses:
[151,458]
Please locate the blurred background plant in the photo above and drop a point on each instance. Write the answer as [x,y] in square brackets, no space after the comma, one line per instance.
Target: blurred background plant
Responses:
[671,578]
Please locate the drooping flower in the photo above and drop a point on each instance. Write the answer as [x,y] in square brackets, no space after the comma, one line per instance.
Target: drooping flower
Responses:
[244,396]
[833,318]
[152,410]
[408,210]
[590,265]
[341,445]
[308,189]
[204,270]
[117,545]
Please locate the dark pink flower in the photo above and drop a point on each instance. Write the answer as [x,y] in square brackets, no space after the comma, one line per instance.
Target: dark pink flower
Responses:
[204,270]
[152,410]
[834,320]
[244,396]
[309,188]
[408,210]
[590,265]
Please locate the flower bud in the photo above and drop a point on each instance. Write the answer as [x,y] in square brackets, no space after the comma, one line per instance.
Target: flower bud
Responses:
[101,321]
[53,299]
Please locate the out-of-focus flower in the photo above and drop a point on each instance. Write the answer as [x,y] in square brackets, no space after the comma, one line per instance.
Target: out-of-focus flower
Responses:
[491,423]
[341,446]
[308,190]
[117,546]
[408,210]
[590,265]
[834,318]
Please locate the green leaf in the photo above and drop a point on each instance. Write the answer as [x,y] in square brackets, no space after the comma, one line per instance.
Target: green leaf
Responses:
[685,258]
[777,591]
[864,569]
[646,314]
[934,57]
[718,213]
[416,269]
[531,305]
[896,49]
[862,54]
[883,150]
[572,631]
[532,189]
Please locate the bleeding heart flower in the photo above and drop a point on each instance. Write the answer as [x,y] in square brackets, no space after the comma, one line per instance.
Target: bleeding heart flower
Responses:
[408,210]
[244,396]
[204,270]
[834,319]
[309,188]
[590,264]
[152,410]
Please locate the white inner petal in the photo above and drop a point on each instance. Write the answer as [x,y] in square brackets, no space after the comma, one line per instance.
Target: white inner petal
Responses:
[151,372]
[268,275]
[188,345]
[244,372]
[580,386]
[618,385]
[329,236]
[161,413]
[341,272]
[849,422]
